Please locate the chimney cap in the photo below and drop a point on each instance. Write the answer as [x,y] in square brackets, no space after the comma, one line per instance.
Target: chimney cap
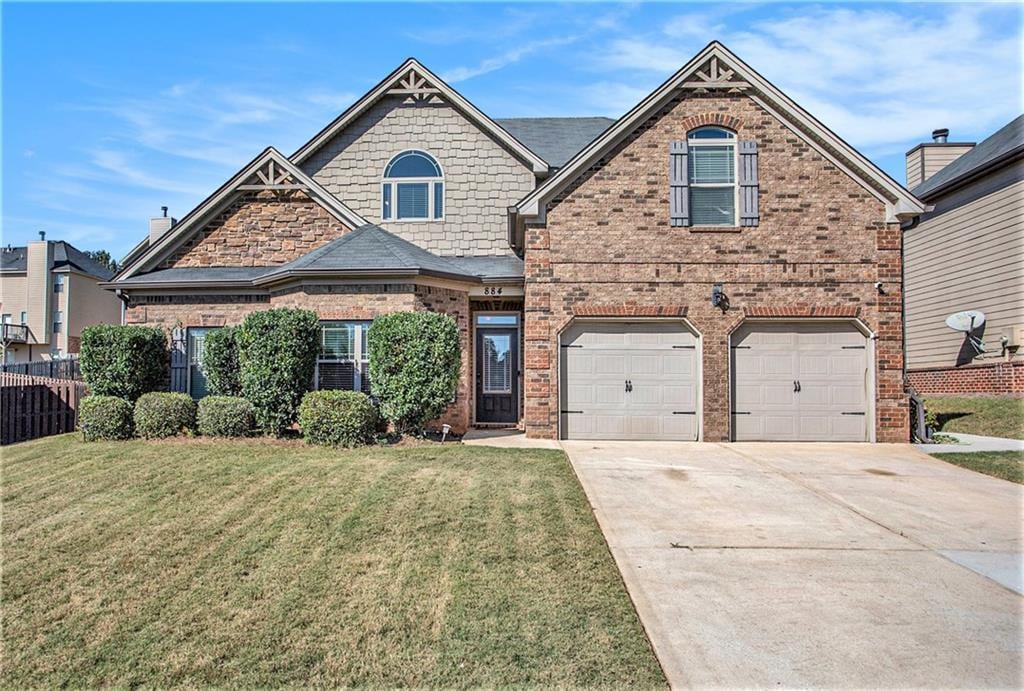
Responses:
[940,136]
[42,234]
[163,209]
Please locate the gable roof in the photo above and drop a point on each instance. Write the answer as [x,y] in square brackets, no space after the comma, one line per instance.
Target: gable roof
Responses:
[269,170]
[415,81]
[66,257]
[704,72]
[556,139]
[1004,144]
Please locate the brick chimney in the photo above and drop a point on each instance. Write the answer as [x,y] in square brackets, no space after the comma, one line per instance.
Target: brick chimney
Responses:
[927,159]
[159,225]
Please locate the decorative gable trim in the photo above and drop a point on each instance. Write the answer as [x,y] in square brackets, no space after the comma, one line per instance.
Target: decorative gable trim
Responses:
[420,86]
[268,171]
[716,67]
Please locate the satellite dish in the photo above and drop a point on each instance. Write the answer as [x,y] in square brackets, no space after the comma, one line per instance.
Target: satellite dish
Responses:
[966,321]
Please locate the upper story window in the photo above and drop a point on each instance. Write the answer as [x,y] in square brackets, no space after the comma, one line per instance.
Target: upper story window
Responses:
[712,176]
[58,283]
[413,188]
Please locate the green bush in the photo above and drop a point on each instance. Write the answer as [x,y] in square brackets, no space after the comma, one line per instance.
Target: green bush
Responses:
[124,361]
[414,366]
[220,362]
[277,352]
[160,414]
[105,417]
[337,418]
[225,416]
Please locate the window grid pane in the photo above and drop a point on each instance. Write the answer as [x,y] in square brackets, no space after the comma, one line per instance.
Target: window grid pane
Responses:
[413,164]
[438,199]
[412,200]
[712,164]
[386,211]
[712,206]
[497,374]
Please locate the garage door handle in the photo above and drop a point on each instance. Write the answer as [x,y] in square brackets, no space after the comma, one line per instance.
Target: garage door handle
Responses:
[796,387]
[629,386]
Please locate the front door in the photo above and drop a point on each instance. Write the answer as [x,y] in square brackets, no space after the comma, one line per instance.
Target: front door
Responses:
[497,375]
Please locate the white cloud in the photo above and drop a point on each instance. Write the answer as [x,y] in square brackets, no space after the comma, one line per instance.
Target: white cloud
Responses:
[509,57]
[880,77]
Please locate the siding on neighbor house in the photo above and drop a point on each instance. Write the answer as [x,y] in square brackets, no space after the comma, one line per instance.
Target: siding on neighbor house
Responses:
[482,178]
[608,247]
[966,254]
[89,304]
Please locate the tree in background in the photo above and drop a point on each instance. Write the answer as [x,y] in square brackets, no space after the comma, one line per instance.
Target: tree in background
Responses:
[102,257]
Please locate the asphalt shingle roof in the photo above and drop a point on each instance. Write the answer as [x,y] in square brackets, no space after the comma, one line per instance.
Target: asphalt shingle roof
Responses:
[1007,139]
[64,256]
[556,140]
[367,248]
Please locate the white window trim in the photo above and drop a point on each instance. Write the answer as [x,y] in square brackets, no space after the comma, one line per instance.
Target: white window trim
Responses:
[359,356]
[732,141]
[393,184]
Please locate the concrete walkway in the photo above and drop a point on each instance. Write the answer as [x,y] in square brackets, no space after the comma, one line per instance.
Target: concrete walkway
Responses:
[969,443]
[506,439]
[826,565]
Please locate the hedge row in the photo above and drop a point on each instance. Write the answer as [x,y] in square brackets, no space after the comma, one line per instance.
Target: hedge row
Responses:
[158,415]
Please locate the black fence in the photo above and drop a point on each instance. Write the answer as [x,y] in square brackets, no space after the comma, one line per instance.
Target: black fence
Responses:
[65,368]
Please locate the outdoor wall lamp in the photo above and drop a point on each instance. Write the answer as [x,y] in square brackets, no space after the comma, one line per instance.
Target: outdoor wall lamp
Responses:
[718,297]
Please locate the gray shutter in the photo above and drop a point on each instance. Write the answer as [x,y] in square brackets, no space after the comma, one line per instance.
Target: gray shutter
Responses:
[748,184]
[179,361]
[678,185]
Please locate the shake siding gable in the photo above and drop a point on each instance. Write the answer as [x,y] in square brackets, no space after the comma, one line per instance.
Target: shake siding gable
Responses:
[481,176]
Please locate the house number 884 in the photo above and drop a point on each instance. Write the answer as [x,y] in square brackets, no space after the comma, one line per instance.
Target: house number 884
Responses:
[491,290]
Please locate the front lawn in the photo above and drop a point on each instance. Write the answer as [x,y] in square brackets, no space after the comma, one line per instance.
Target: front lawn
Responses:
[991,417]
[261,563]
[1006,465]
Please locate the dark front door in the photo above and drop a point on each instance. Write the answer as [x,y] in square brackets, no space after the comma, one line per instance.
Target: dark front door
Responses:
[497,375]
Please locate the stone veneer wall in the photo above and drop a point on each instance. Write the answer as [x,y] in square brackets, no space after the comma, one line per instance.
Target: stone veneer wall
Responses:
[259,229]
[607,249]
[482,178]
[365,301]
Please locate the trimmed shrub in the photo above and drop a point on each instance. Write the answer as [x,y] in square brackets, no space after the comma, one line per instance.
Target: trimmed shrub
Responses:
[220,362]
[277,352]
[225,416]
[124,361]
[414,366]
[105,417]
[337,418]
[160,414]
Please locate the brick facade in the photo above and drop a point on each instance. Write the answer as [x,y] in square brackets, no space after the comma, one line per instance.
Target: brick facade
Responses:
[607,245]
[992,379]
[355,302]
[259,229]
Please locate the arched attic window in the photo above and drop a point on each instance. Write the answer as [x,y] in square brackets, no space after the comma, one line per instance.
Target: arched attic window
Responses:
[712,176]
[413,188]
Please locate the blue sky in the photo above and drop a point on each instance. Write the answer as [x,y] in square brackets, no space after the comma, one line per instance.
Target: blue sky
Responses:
[112,110]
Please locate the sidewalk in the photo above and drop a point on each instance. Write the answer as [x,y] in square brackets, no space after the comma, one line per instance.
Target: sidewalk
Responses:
[970,443]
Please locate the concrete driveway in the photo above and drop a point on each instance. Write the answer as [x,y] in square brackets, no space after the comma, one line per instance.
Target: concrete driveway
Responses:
[838,565]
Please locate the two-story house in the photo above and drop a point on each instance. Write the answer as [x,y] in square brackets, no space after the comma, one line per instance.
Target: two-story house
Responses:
[716,264]
[49,292]
[966,254]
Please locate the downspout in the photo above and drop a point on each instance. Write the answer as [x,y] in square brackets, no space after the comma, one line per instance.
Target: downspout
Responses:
[922,429]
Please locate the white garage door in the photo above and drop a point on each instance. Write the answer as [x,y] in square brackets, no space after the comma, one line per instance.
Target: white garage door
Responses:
[800,382]
[629,381]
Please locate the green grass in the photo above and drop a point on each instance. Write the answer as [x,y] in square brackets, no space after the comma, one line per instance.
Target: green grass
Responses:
[1006,465]
[991,417]
[257,563]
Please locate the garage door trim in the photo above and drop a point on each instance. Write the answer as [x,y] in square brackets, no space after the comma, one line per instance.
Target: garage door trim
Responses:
[699,375]
[870,337]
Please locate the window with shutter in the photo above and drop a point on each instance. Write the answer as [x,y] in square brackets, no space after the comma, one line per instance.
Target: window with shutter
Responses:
[711,177]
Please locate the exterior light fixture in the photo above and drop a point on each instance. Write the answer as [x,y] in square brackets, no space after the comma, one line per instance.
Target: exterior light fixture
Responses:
[718,297]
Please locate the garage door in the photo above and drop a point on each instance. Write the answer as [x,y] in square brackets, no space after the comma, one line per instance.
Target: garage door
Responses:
[629,381]
[800,382]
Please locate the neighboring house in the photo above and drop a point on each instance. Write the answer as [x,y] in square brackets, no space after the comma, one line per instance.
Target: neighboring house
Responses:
[714,265]
[49,292]
[967,253]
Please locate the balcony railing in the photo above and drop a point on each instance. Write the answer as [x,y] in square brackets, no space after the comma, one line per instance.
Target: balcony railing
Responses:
[14,333]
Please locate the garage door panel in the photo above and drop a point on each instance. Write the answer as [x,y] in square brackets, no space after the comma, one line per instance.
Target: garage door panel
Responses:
[829,360]
[660,362]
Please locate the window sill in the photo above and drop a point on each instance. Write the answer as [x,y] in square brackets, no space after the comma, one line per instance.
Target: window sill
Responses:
[715,229]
